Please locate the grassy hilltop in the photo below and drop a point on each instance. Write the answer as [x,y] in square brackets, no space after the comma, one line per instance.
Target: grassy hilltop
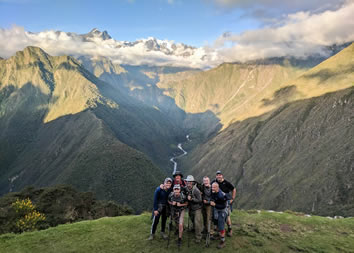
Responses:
[253,232]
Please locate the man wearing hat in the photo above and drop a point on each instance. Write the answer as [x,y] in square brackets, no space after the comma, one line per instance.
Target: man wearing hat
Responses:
[160,208]
[178,179]
[178,202]
[195,202]
[227,188]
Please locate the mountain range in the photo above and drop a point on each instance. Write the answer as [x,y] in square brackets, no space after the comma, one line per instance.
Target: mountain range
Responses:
[299,155]
[112,128]
[150,44]
[61,124]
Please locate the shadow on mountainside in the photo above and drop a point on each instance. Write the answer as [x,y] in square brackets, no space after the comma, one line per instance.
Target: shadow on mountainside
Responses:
[105,148]
[93,150]
[325,74]
[136,87]
[80,150]
[299,63]
[297,157]
[282,96]
[22,113]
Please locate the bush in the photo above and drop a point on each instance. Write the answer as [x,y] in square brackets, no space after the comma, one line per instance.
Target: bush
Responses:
[28,217]
[42,208]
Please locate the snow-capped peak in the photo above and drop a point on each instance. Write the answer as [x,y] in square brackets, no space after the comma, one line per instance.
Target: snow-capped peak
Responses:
[95,33]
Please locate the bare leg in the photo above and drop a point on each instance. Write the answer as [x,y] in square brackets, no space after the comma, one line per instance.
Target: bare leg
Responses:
[228,221]
[180,226]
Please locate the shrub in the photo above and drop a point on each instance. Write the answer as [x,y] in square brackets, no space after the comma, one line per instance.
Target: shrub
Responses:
[28,217]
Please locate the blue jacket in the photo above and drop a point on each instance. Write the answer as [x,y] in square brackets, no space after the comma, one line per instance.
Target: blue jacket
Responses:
[220,199]
[160,197]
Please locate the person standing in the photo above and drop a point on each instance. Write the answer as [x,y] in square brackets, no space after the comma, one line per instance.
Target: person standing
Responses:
[195,207]
[206,210]
[219,202]
[227,188]
[178,202]
[160,208]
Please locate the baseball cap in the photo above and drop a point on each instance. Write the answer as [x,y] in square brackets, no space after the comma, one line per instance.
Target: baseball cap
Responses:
[168,179]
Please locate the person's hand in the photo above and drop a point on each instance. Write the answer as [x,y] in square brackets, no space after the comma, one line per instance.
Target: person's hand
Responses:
[231,200]
[189,197]
[212,203]
[179,204]
[161,186]
[156,213]
[205,201]
[174,203]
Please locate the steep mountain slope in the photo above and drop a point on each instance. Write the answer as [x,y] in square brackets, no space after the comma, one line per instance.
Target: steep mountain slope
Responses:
[299,157]
[335,73]
[230,89]
[60,124]
[241,90]
[140,82]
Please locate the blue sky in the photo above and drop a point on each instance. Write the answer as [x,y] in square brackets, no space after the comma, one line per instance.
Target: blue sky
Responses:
[220,30]
[192,22]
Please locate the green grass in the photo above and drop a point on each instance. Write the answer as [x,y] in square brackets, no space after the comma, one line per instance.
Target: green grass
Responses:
[253,232]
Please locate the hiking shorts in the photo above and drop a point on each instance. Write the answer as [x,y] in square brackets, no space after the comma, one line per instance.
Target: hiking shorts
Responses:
[178,216]
[219,217]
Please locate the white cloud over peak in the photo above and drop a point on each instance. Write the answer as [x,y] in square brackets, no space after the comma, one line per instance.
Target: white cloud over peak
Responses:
[145,51]
[298,34]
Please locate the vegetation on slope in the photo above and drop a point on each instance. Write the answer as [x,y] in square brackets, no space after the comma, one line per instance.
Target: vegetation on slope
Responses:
[58,125]
[253,232]
[230,89]
[299,157]
[242,90]
[60,204]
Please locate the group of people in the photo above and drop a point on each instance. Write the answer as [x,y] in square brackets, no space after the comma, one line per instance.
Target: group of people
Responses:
[209,206]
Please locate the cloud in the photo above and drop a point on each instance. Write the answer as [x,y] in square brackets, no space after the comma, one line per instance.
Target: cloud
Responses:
[289,6]
[119,52]
[300,34]
[270,11]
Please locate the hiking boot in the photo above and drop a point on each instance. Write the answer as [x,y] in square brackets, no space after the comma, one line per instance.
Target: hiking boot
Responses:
[164,236]
[179,242]
[214,237]
[221,245]
[229,233]
[151,237]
